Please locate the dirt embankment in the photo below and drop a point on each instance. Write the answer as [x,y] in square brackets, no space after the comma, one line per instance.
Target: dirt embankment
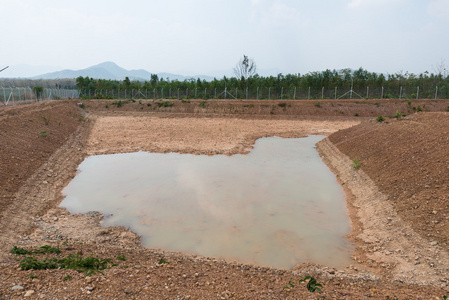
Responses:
[378,262]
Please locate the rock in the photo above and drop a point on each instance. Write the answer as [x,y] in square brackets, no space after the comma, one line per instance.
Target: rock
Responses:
[29,293]
[17,288]
[434,243]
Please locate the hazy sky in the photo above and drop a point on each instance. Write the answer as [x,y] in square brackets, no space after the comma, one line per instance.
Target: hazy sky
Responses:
[193,37]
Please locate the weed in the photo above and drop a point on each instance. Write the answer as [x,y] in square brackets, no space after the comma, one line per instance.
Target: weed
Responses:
[68,277]
[185,101]
[19,251]
[141,108]
[106,106]
[140,101]
[380,119]
[203,104]
[290,285]
[165,104]
[356,115]
[356,164]
[312,284]
[46,119]
[398,114]
[121,257]
[447,109]
[377,104]
[282,104]
[32,276]
[43,134]
[148,104]
[47,249]
[81,105]
[89,265]
[318,104]
[419,108]
[409,103]
[162,261]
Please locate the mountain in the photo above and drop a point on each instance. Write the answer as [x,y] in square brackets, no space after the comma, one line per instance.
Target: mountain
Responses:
[110,70]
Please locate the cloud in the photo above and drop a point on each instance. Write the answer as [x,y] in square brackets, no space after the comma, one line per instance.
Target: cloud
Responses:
[363,3]
[439,9]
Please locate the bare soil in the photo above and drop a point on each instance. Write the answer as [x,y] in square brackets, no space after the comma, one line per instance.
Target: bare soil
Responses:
[396,200]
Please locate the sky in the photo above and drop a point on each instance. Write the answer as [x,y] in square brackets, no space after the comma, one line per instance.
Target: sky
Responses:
[209,37]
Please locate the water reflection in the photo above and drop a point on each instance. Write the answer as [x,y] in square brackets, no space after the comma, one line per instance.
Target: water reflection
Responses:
[277,206]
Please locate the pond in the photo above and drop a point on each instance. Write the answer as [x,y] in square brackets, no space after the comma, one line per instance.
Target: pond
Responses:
[277,206]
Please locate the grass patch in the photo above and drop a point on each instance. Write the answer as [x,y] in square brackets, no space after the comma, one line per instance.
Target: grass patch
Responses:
[282,104]
[163,261]
[380,119]
[43,134]
[356,164]
[203,104]
[88,265]
[165,104]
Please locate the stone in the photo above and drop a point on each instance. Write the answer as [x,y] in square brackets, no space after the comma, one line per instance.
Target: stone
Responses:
[17,288]
[29,293]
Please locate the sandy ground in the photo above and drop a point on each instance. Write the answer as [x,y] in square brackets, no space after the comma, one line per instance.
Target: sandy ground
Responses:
[391,259]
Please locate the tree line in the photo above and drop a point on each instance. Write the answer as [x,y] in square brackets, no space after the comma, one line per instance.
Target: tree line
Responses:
[313,83]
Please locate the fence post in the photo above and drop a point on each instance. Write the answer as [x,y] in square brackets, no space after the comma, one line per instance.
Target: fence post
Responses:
[246,93]
[235,93]
[417,93]
[335,93]
[382,93]
[294,94]
[195,93]
[187,92]
[205,94]
[215,93]
[400,93]
[178,93]
[308,95]
[436,93]
[322,93]
[269,93]
[367,92]
[257,93]
[282,91]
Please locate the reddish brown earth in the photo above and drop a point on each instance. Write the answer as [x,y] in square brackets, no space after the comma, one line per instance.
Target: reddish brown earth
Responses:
[406,160]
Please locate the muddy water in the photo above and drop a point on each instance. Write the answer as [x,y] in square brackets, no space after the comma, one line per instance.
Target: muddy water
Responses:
[278,206]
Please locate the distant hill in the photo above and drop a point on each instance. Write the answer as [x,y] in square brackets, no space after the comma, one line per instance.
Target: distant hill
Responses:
[110,70]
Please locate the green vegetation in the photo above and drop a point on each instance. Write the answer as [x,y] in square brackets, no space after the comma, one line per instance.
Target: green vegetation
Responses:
[312,284]
[162,261]
[165,104]
[121,257]
[447,109]
[380,119]
[46,119]
[318,104]
[356,164]
[203,104]
[88,265]
[282,86]
[68,277]
[419,108]
[282,104]
[43,134]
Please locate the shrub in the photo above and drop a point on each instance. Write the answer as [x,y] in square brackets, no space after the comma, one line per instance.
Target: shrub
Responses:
[419,108]
[380,119]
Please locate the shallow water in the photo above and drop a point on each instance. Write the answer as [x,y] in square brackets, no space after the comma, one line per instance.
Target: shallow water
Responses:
[278,206]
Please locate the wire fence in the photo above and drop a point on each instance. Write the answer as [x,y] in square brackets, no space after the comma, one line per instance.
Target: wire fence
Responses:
[268,93]
[26,95]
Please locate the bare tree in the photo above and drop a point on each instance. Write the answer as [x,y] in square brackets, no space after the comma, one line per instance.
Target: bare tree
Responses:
[246,68]
[440,68]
